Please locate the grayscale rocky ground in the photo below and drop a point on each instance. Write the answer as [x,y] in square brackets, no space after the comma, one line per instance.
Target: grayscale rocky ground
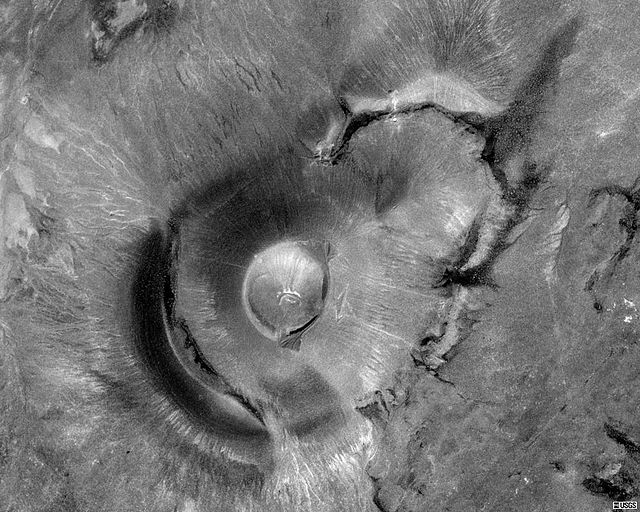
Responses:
[521,391]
